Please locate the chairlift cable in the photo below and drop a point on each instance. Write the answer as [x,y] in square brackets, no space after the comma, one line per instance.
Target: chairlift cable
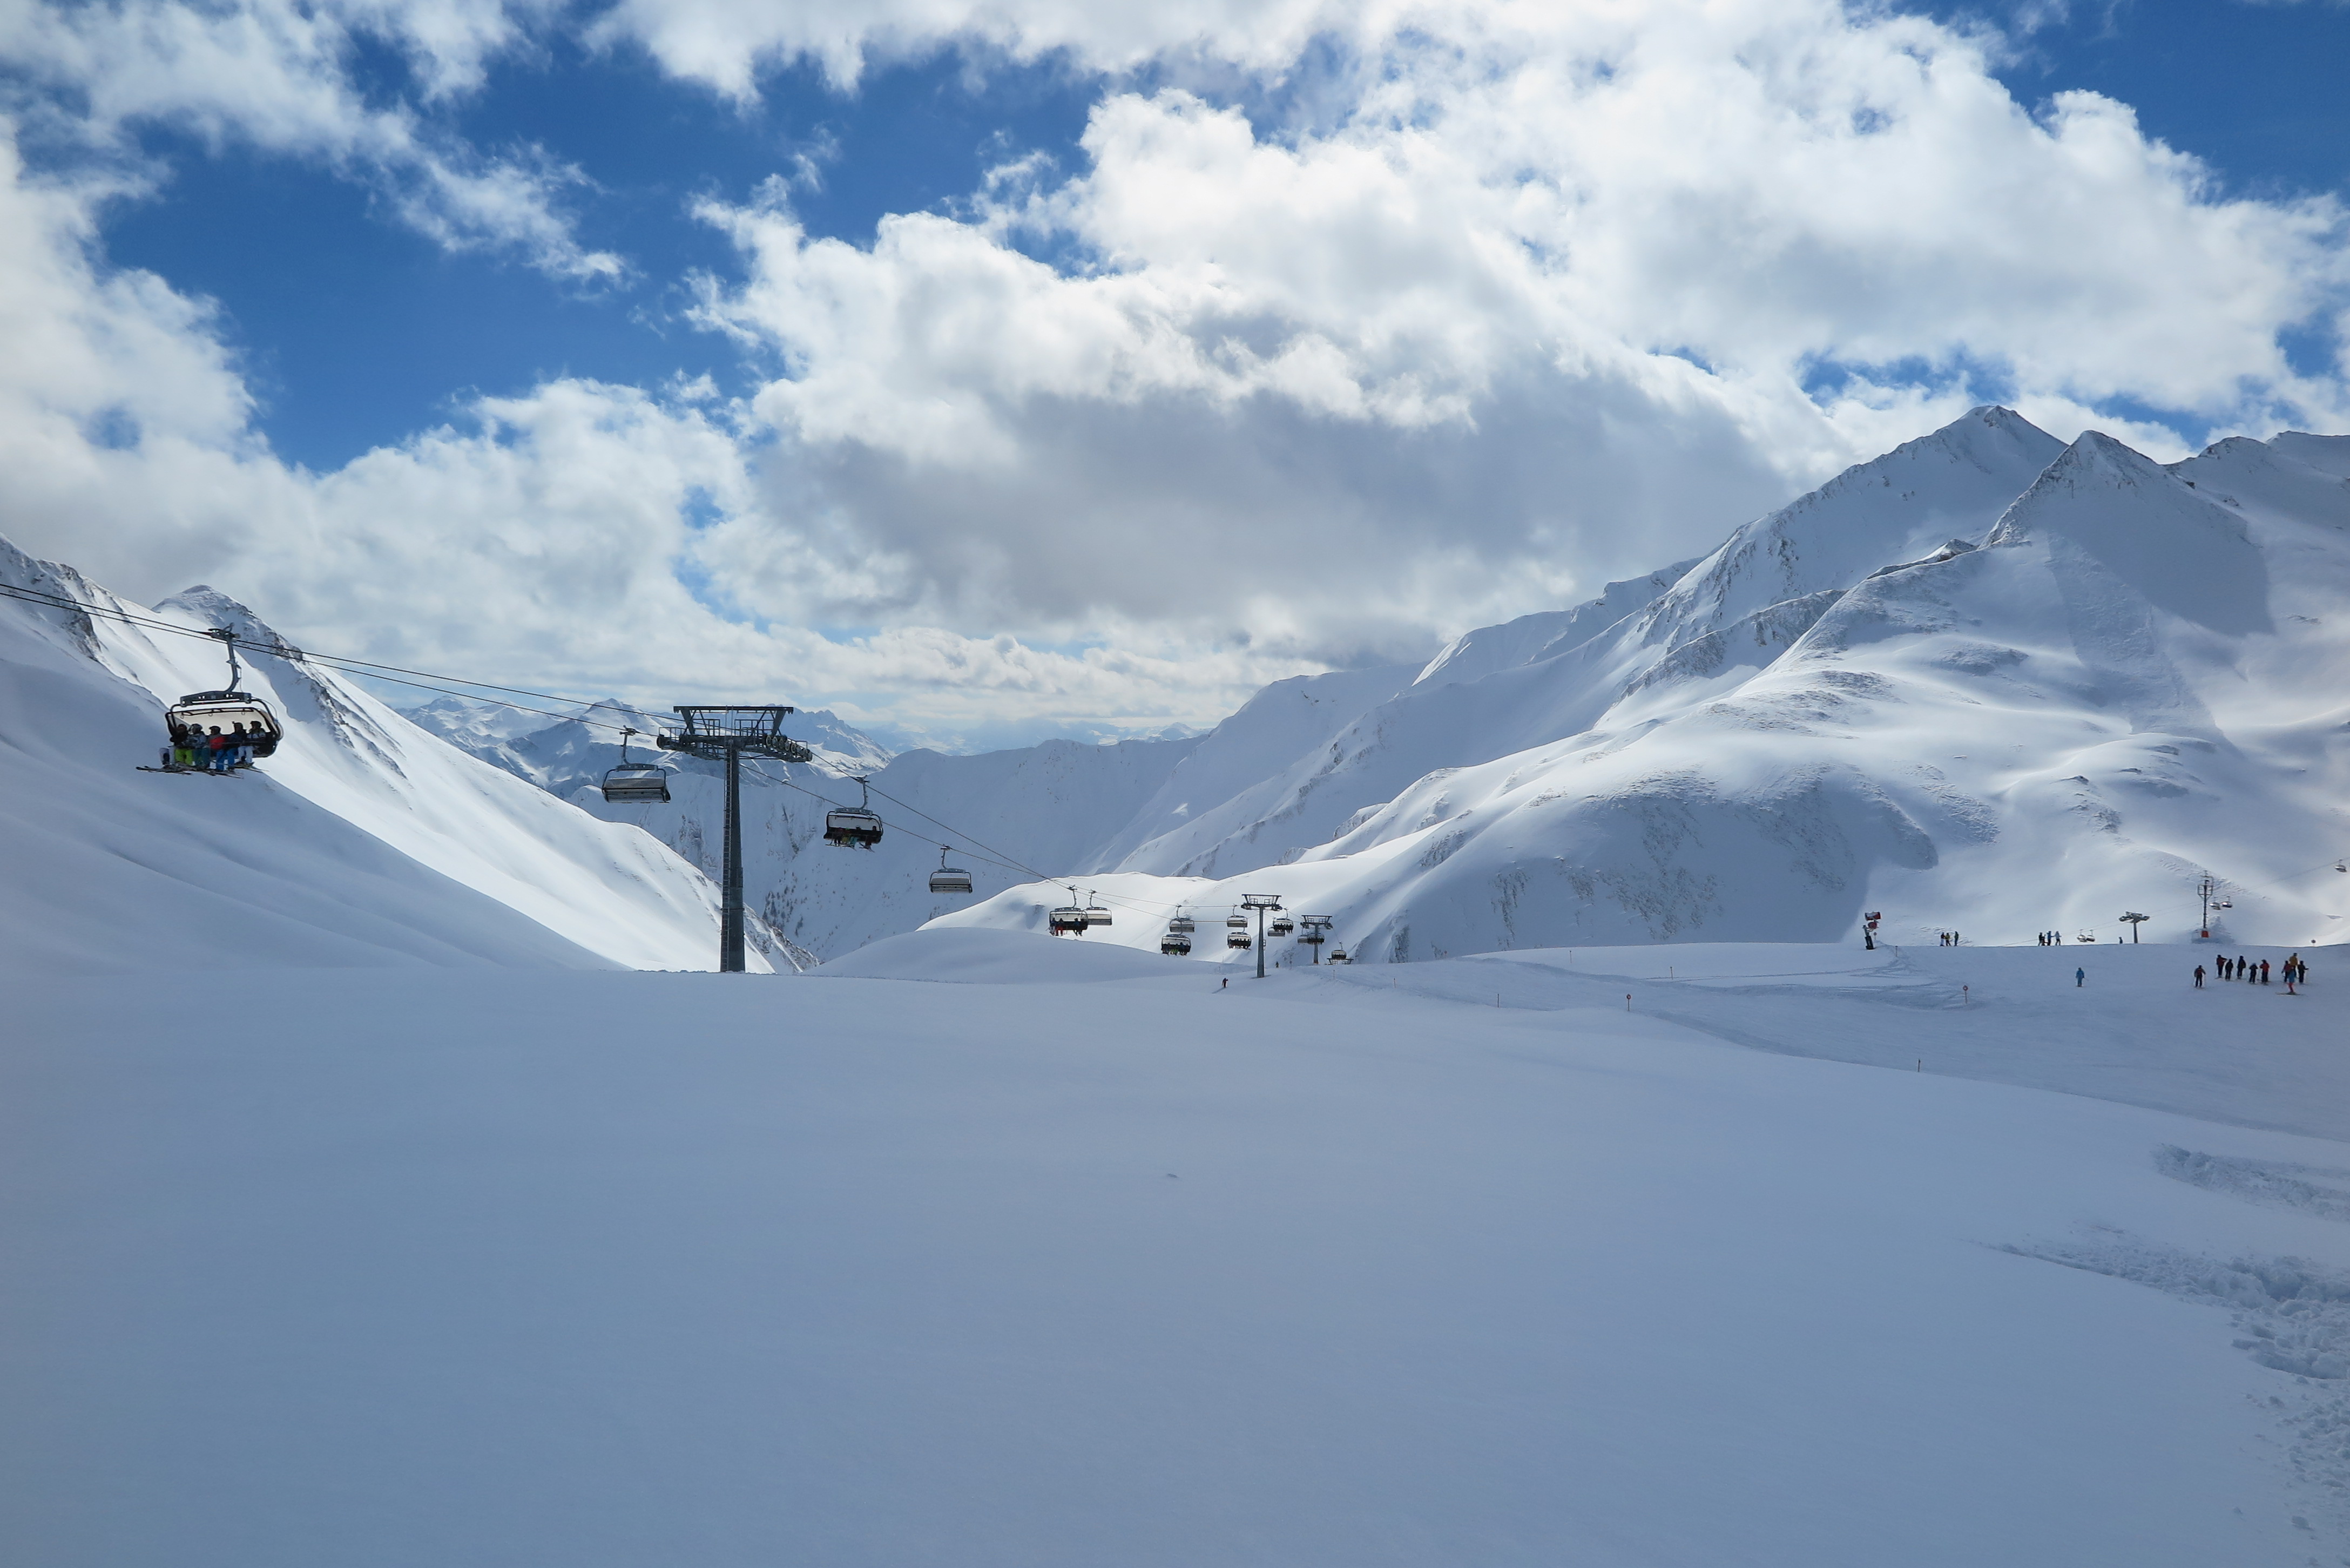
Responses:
[331,660]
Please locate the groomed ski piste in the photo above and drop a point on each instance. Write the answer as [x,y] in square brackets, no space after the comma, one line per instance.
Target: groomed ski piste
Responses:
[978,1248]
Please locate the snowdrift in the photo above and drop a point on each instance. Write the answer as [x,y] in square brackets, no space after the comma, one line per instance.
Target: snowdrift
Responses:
[363,841]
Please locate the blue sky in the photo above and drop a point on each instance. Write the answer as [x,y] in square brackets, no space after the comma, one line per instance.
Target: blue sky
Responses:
[358,331]
[1306,333]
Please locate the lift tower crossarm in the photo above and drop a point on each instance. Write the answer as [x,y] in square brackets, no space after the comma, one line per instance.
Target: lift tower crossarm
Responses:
[726,734]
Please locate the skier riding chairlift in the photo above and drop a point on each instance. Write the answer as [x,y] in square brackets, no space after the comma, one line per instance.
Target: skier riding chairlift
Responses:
[195,718]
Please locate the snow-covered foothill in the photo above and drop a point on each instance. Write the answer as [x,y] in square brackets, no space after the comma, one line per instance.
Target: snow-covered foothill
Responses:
[363,841]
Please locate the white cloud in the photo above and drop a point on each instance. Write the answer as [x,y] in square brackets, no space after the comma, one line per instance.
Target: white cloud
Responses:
[1488,302]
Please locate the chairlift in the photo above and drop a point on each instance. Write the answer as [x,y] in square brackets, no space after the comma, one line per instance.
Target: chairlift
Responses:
[2086,937]
[854,827]
[633,782]
[1068,920]
[1281,926]
[2223,903]
[2341,865]
[1240,940]
[243,719]
[1338,955]
[1095,914]
[949,879]
[1238,922]
[1179,926]
[1176,944]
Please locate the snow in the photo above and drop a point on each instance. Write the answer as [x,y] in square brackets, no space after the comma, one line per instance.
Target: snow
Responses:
[1068,1269]
[982,957]
[363,841]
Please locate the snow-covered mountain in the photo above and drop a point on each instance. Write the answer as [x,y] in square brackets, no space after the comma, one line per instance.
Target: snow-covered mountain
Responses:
[1987,683]
[363,841]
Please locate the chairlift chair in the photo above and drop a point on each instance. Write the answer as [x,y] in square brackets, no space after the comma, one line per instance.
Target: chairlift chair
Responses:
[1180,926]
[1068,920]
[198,716]
[950,878]
[1281,926]
[632,782]
[1095,914]
[1239,940]
[854,827]
[1338,955]
[1175,944]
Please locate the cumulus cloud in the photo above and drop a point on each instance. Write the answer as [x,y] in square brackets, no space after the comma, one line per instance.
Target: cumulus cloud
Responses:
[1353,325]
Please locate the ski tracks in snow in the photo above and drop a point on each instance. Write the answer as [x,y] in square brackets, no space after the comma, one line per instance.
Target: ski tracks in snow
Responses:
[2289,1314]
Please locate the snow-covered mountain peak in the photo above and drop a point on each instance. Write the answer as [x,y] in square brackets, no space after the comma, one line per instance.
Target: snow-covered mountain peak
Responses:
[2185,552]
[1901,507]
[208,604]
[2328,454]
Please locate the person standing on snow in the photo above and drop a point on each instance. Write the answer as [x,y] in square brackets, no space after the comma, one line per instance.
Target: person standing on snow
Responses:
[2199,977]
[2264,971]
[2080,978]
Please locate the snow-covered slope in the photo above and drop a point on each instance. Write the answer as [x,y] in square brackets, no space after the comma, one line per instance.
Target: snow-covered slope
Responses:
[1984,683]
[1219,801]
[364,840]
[1502,689]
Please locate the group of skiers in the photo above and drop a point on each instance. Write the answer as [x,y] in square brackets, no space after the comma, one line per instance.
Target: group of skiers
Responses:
[212,750]
[2256,972]
[2051,939]
[1949,939]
